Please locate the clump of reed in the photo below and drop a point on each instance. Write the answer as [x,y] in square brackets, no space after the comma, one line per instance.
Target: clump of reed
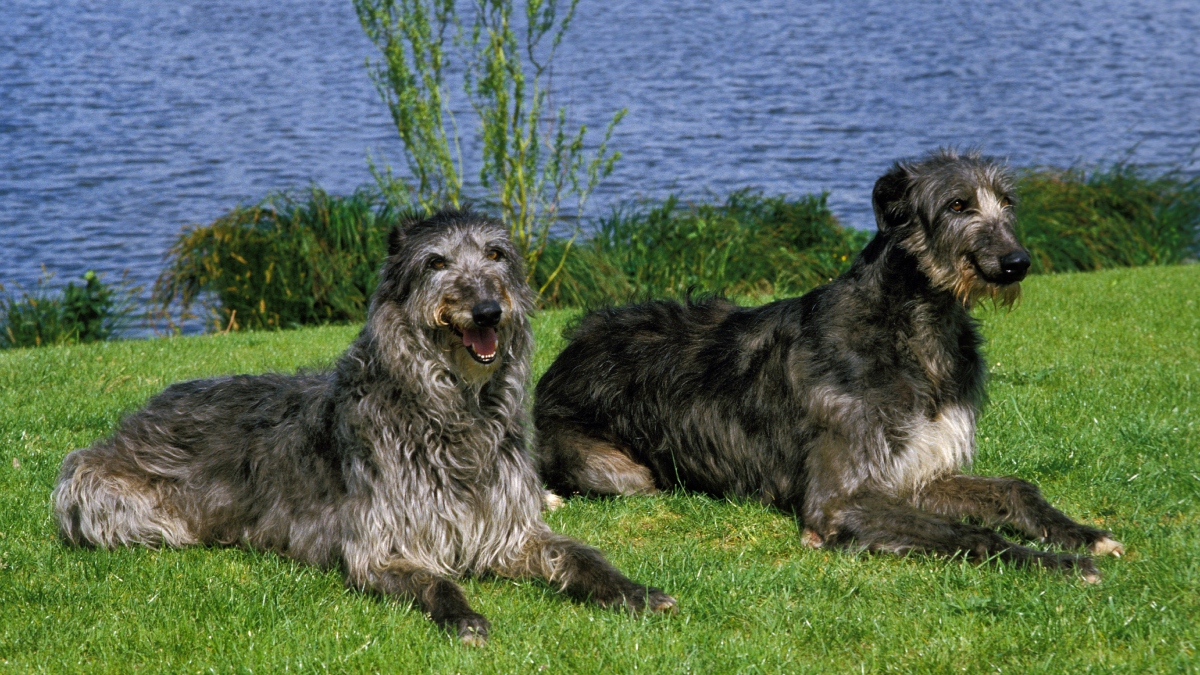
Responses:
[313,259]
[90,312]
[287,261]
[750,245]
[1115,216]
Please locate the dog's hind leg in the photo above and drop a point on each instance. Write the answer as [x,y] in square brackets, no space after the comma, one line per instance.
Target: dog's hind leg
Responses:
[439,597]
[880,524]
[101,501]
[996,501]
[583,573]
[572,461]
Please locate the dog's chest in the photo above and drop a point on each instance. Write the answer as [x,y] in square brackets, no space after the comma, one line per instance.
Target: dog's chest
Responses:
[455,520]
[924,448]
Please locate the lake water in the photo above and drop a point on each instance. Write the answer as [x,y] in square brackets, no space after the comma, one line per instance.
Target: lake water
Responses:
[123,120]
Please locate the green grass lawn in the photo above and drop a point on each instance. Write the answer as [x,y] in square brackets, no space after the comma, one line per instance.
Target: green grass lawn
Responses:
[1093,395]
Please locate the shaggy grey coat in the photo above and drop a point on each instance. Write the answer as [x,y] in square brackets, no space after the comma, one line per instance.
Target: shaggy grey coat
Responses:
[852,407]
[405,465]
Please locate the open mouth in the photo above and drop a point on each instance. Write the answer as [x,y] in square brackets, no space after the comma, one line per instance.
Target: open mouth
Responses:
[480,342]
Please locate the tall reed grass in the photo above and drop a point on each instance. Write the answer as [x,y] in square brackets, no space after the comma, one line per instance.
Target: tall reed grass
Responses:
[313,259]
[1071,220]
[286,261]
[1117,216]
[750,245]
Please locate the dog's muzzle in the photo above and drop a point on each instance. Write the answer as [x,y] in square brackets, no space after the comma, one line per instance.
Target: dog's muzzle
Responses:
[481,339]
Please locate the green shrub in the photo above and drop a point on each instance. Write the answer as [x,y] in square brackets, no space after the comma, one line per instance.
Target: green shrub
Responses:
[757,246]
[1112,217]
[288,262]
[283,262]
[750,245]
[91,312]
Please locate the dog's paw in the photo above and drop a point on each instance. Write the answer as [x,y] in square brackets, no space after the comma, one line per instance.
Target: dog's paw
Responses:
[1087,569]
[660,603]
[551,501]
[636,599]
[1107,546]
[473,630]
[811,539]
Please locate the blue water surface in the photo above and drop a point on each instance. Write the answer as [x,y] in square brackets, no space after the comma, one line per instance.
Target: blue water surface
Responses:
[123,120]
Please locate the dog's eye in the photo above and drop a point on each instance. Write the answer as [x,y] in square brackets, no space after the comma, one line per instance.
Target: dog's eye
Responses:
[958,205]
[1005,203]
[495,254]
[437,263]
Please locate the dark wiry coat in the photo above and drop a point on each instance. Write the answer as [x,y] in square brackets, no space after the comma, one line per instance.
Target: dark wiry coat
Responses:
[853,406]
[405,465]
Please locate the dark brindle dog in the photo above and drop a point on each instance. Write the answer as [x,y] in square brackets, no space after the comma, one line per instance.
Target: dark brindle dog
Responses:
[853,407]
[405,465]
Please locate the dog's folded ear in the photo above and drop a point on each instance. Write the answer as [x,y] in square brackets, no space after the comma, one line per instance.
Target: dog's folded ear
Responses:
[398,235]
[395,240]
[889,198]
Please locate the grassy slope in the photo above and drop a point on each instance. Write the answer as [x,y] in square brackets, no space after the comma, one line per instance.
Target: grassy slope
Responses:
[1094,395]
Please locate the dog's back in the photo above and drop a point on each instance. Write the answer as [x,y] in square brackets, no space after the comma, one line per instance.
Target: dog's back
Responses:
[225,460]
[703,375]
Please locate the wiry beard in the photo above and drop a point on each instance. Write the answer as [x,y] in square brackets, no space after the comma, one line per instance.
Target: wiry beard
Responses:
[970,288]
[962,279]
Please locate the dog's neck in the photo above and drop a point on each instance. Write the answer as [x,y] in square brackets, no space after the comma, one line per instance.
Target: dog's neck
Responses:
[489,417]
[935,326]
[896,276]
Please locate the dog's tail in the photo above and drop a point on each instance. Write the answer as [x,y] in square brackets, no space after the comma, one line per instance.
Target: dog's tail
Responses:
[96,506]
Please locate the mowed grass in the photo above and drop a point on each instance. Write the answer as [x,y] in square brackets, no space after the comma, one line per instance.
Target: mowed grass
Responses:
[1094,396]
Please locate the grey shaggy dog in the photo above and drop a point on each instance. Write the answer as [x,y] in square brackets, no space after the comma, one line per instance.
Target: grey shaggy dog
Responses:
[853,406]
[405,465]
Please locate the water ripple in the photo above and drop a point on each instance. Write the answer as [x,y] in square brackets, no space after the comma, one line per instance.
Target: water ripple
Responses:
[121,122]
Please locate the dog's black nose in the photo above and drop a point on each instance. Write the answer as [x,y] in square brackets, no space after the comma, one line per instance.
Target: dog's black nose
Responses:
[487,313]
[1014,266]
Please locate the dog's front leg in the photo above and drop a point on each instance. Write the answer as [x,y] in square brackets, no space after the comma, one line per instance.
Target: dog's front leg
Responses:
[844,509]
[995,501]
[583,573]
[879,523]
[439,597]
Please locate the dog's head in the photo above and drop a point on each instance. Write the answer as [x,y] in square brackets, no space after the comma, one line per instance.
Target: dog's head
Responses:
[954,214]
[457,279]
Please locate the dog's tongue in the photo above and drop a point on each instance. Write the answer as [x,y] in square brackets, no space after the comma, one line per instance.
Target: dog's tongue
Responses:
[482,340]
